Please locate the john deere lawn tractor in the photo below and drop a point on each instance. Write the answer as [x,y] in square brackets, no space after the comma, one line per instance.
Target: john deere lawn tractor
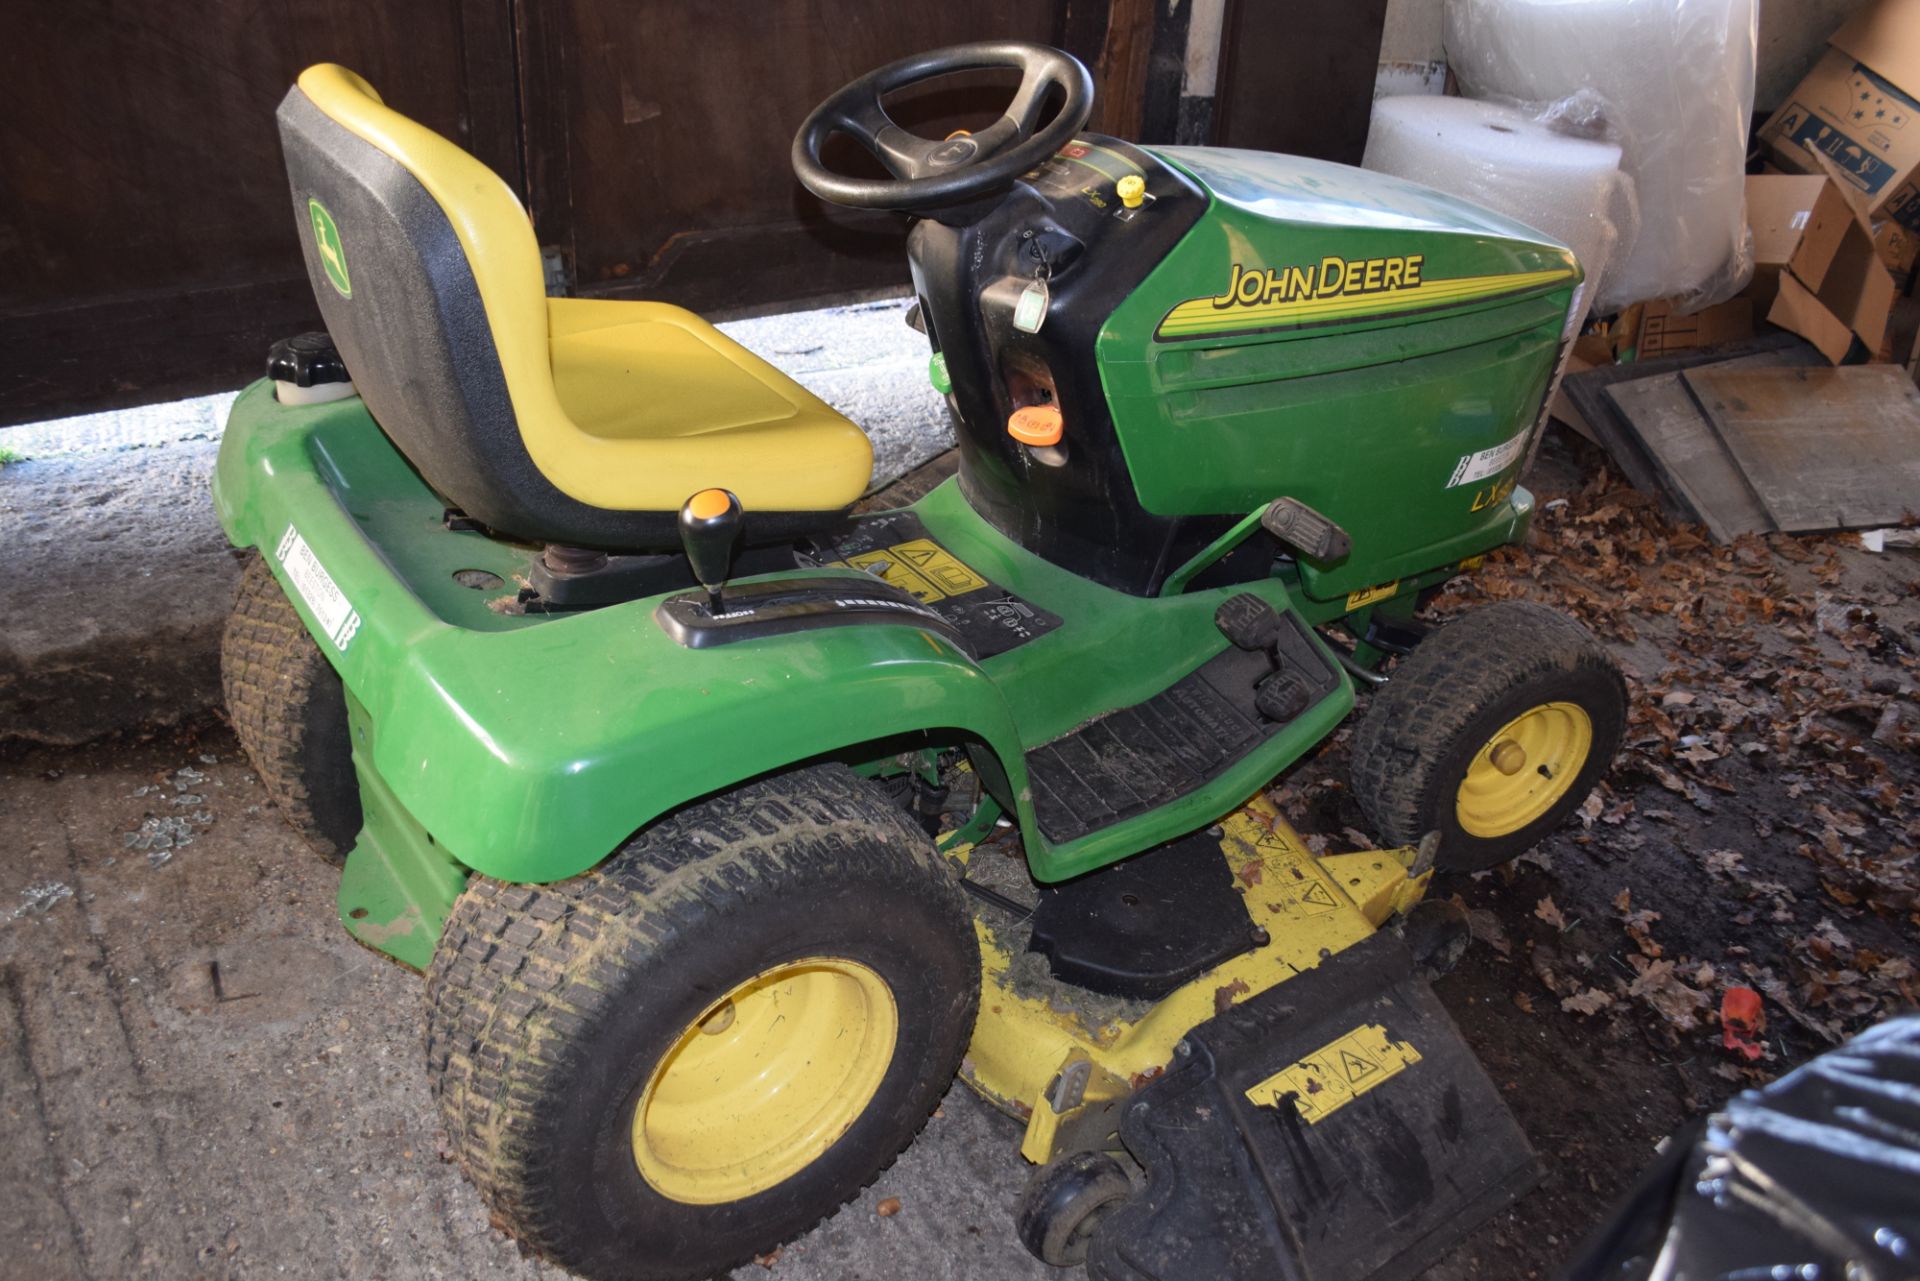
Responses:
[728,827]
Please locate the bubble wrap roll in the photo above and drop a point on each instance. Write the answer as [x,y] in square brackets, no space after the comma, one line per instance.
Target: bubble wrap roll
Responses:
[1500,158]
[1677,76]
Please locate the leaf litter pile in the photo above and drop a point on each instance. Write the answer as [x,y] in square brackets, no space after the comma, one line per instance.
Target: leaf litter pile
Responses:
[1743,890]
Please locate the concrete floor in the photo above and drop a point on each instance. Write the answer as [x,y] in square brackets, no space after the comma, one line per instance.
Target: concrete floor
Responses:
[118,623]
[202,1075]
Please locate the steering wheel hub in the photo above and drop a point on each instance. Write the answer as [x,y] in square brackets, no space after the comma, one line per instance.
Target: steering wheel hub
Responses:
[954,151]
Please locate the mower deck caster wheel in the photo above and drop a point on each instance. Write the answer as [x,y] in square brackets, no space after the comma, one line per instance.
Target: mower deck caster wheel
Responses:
[1437,933]
[1063,1202]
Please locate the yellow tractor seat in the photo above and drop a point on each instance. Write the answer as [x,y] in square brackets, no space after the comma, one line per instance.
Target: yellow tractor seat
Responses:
[577,421]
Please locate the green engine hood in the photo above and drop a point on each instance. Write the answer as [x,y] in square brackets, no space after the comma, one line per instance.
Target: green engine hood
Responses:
[1315,193]
[1373,348]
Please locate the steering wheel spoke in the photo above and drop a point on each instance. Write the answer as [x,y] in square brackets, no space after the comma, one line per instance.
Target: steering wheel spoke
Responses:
[1024,112]
[1003,132]
[867,122]
[907,155]
[958,170]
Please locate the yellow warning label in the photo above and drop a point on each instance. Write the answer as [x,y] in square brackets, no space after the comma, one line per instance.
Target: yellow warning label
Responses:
[933,563]
[921,567]
[1336,1074]
[1316,899]
[1368,595]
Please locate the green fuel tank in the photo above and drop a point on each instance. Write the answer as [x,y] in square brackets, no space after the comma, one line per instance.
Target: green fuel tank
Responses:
[1376,349]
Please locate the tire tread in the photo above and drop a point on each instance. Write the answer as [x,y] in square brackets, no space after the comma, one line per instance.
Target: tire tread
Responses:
[522,969]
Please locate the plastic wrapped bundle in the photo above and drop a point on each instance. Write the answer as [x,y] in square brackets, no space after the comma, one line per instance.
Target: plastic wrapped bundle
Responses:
[1500,157]
[1678,75]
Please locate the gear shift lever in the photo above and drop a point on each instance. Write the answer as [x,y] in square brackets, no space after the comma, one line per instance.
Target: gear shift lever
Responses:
[709,527]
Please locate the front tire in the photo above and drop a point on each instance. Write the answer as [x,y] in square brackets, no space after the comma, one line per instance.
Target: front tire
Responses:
[1490,733]
[601,1048]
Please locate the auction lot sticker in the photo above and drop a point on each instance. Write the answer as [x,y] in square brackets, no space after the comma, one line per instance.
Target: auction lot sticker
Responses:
[324,599]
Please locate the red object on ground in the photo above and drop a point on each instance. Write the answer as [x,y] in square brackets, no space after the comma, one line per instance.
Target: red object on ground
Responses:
[1743,1018]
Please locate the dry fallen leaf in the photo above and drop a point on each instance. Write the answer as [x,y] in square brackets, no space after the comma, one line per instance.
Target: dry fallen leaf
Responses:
[1591,1001]
[1547,912]
[1485,926]
[1661,987]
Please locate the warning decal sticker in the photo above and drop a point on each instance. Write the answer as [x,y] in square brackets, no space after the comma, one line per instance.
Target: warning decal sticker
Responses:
[1336,1074]
[921,567]
[1368,595]
[895,548]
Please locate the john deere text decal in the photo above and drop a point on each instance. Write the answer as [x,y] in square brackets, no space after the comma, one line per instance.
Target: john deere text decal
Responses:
[1336,289]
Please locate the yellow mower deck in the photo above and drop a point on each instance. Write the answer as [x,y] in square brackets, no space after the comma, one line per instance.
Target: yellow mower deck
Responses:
[1062,1059]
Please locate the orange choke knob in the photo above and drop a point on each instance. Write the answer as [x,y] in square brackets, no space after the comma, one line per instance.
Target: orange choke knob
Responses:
[1036,425]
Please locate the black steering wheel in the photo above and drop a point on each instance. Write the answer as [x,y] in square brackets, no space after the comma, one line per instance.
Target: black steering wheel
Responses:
[931,174]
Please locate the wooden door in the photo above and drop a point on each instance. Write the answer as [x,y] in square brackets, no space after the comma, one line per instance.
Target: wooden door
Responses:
[147,244]
[658,135]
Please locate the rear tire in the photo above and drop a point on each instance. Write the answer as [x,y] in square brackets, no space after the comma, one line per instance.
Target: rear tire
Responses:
[582,1036]
[289,711]
[1491,733]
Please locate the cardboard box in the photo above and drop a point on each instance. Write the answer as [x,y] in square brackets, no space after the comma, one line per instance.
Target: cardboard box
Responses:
[1664,331]
[1817,270]
[1778,210]
[1860,107]
[1898,247]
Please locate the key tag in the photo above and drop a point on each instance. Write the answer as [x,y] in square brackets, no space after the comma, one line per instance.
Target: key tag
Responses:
[1031,311]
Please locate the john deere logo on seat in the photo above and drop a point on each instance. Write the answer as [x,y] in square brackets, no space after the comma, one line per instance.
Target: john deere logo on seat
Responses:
[326,240]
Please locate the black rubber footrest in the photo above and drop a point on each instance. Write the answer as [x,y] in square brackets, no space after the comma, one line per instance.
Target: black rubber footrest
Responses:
[1141,757]
[1142,927]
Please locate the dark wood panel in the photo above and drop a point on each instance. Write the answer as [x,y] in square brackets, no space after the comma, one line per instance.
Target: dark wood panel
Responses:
[657,135]
[137,137]
[147,243]
[1298,77]
[147,247]
[133,350]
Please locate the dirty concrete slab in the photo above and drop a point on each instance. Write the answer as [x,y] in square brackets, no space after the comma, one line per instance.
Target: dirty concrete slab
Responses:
[116,617]
[118,624]
[202,1075]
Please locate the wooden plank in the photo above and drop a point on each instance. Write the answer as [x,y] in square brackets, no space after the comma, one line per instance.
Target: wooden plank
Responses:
[1587,392]
[1668,421]
[1298,77]
[1823,448]
[492,115]
[1115,39]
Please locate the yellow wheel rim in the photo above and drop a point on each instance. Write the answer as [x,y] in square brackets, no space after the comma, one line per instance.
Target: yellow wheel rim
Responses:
[1523,771]
[765,1081]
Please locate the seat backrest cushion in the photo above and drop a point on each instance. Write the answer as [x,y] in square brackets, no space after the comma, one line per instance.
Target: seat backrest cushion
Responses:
[429,279]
